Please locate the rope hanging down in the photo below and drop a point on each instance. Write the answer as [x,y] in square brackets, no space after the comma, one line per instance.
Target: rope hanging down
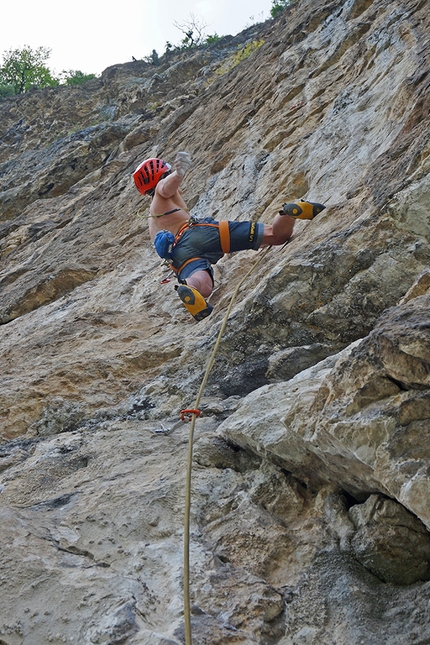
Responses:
[195,412]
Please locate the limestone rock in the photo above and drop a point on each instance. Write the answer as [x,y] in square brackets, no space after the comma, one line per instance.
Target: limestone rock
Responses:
[353,419]
[390,542]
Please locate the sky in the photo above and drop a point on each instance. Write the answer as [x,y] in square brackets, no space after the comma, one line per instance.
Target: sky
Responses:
[90,35]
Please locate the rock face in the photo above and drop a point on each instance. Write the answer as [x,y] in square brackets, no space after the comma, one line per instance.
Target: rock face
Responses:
[310,512]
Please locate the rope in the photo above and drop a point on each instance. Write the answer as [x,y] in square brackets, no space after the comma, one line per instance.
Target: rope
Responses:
[194,414]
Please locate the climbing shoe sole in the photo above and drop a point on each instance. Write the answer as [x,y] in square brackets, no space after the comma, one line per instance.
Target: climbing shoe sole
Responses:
[194,302]
[302,210]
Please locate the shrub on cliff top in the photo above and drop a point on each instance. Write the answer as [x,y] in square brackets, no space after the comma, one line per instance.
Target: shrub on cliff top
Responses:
[76,77]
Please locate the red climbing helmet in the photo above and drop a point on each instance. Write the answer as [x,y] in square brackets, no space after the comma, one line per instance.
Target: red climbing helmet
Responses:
[149,173]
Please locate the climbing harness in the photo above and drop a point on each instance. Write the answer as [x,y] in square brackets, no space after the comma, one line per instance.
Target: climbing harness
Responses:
[194,413]
[224,237]
[165,241]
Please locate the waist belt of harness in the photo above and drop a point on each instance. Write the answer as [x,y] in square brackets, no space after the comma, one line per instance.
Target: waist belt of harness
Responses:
[224,238]
[222,226]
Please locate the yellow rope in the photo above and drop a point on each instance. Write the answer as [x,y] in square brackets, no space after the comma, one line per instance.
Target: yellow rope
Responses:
[187,612]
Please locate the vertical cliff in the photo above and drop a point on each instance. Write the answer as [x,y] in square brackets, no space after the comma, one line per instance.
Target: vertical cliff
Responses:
[310,504]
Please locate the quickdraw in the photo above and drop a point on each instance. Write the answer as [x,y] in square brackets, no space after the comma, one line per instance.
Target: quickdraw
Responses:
[187,415]
[297,105]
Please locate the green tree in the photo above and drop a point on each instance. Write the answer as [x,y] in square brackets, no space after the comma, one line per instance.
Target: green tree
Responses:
[279,5]
[24,69]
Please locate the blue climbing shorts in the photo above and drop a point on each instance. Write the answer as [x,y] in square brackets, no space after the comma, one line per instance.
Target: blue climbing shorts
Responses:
[199,246]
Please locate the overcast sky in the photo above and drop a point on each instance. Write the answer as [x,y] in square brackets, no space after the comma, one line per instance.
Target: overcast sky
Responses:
[90,35]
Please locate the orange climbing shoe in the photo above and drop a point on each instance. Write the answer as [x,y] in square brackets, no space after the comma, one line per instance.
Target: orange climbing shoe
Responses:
[302,210]
[194,301]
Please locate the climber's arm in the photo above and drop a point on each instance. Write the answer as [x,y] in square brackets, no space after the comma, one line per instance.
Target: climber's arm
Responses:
[167,187]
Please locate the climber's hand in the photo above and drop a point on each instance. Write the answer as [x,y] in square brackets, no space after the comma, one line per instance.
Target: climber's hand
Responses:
[182,163]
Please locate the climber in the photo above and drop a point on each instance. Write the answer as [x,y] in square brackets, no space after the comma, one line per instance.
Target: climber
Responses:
[193,245]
